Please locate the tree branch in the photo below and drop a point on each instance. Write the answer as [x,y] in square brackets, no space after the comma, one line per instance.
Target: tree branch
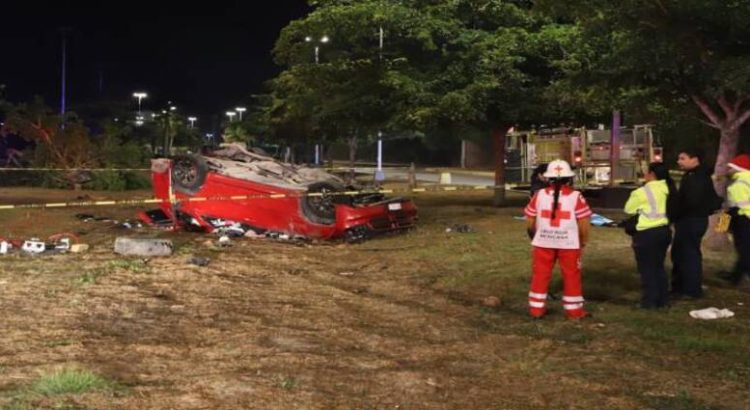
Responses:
[724,104]
[707,111]
[710,124]
[741,119]
[738,103]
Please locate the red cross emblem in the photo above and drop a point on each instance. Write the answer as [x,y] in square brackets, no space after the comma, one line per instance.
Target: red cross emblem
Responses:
[559,216]
[558,169]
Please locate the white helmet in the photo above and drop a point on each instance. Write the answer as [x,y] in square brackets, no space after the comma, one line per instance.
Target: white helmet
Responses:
[559,169]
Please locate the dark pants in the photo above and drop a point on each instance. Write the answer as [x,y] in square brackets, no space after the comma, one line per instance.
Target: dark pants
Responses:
[650,247]
[741,234]
[687,258]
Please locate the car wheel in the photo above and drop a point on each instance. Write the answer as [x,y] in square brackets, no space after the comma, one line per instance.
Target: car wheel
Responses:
[188,173]
[322,209]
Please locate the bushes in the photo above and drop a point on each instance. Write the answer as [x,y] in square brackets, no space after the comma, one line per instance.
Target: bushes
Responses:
[117,181]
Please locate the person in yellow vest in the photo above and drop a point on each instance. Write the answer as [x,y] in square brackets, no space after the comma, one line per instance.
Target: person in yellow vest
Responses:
[652,236]
[738,194]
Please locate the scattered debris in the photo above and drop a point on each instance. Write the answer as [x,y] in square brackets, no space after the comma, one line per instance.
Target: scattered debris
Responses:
[599,220]
[199,261]
[346,274]
[492,301]
[34,245]
[711,313]
[4,247]
[253,235]
[143,246]
[224,241]
[79,248]
[460,228]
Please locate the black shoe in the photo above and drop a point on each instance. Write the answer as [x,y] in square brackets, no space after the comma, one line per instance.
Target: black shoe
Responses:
[733,278]
[684,297]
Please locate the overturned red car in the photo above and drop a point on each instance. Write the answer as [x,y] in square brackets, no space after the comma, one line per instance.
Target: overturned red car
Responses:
[258,193]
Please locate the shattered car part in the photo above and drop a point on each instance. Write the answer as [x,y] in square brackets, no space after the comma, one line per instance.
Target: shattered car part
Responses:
[143,246]
[269,195]
[34,245]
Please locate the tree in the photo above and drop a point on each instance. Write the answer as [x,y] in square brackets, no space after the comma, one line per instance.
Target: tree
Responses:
[56,146]
[465,65]
[668,53]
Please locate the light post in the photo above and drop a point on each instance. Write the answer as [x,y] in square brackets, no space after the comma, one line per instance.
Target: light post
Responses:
[231,115]
[379,174]
[140,96]
[323,40]
[192,121]
[240,110]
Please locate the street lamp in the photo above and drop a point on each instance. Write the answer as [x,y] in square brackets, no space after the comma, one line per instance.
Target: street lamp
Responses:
[231,115]
[140,95]
[323,40]
[240,110]
[192,121]
[379,174]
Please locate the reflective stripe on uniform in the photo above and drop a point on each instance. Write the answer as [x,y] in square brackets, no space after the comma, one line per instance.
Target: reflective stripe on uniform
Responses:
[572,299]
[574,306]
[536,304]
[654,214]
[541,296]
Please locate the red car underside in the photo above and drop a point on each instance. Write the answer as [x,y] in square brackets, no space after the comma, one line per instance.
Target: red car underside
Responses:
[261,213]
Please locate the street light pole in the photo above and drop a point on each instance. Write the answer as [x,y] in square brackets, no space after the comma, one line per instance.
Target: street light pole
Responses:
[192,121]
[63,75]
[231,115]
[240,110]
[323,40]
[379,174]
[140,96]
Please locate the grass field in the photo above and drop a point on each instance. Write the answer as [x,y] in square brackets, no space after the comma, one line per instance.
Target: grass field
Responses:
[396,322]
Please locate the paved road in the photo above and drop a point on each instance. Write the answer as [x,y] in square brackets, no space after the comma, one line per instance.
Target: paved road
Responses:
[431,177]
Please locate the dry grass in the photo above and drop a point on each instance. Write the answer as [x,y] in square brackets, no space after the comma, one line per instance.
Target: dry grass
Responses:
[276,325]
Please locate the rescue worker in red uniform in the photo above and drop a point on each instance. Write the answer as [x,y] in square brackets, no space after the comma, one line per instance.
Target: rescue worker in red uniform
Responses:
[558,220]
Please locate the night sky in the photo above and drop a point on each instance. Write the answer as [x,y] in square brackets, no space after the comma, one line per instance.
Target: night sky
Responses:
[206,57]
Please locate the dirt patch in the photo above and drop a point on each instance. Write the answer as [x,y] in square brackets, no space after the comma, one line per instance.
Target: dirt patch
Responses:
[276,325]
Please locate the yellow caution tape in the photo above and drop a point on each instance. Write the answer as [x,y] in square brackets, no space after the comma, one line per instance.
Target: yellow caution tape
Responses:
[75,169]
[175,200]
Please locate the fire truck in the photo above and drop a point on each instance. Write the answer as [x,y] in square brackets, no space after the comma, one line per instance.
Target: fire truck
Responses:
[588,150]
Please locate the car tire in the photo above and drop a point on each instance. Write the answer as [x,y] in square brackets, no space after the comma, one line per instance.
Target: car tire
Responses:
[188,173]
[322,209]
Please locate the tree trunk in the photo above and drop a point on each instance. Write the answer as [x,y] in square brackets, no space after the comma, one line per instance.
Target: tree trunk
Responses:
[730,138]
[727,150]
[498,140]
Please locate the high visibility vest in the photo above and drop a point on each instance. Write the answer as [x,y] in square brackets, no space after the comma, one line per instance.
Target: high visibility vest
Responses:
[650,203]
[739,193]
[560,232]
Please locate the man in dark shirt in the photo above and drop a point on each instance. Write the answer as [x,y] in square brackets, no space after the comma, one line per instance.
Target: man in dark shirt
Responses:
[697,200]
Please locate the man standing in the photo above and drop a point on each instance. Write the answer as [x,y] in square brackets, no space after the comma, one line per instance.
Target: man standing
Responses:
[697,200]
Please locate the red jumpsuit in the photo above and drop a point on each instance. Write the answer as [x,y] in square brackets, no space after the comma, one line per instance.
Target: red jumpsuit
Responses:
[556,239]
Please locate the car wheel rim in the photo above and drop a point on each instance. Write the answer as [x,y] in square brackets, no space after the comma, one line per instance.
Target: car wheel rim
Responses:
[185,172]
